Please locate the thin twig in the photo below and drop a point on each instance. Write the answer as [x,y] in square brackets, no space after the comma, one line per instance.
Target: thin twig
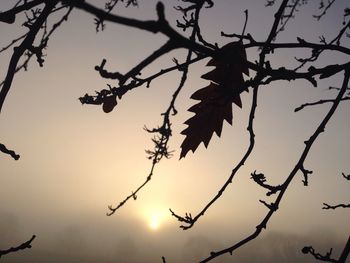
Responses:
[299,164]
[9,152]
[25,245]
[19,51]
[188,219]
[13,42]
[317,103]
[161,143]
[325,9]
[318,256]
[327,206]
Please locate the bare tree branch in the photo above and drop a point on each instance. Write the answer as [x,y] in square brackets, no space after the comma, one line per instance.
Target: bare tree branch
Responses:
[19,51]
[164,131]
[327,257]
[318,256]
[195,45]
[274,207]
[345,253]
[25,245]
[318,103]
[10,15]
[324,9]
[159,26]
[327,206]
[9,152]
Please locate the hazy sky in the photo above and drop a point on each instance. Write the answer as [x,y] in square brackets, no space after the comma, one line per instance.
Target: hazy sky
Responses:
[76,160]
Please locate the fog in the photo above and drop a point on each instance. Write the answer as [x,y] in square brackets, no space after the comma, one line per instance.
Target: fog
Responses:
[76,160]
[88,243]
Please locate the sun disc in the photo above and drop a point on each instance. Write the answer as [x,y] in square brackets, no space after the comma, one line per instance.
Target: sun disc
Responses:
[154,223]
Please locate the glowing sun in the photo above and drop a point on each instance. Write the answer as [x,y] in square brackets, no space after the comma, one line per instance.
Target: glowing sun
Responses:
[155,217]
[154,222]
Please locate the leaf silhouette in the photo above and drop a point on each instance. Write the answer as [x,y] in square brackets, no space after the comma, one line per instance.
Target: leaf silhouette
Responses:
[109,104]
[215,106]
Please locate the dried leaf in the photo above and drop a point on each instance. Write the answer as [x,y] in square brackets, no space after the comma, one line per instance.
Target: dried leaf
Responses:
[109,104]
[215,106]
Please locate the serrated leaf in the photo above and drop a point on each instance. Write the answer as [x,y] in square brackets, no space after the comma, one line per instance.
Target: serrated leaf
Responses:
[215,100]
[235,56]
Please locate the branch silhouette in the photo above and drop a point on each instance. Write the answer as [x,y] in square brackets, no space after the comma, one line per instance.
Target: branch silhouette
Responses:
[163,132]
[26,44]
[345,253]
[188,217]
[327,206]
[226,82]
[318,256]
[298,167]
[327,257]
[9,152]
[25,245]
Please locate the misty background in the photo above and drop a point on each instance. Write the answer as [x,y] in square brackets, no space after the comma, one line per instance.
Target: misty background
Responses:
[76,160]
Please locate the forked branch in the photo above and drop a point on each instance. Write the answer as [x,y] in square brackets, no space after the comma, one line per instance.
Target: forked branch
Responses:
[291,176]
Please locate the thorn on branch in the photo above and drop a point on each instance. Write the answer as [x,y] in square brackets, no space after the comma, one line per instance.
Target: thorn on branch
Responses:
[301,41]
[306,174]
[271,206]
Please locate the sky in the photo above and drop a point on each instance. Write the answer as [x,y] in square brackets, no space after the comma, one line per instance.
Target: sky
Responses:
[76,160]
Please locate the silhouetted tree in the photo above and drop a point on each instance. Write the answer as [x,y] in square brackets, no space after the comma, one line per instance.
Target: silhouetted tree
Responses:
[227,81]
